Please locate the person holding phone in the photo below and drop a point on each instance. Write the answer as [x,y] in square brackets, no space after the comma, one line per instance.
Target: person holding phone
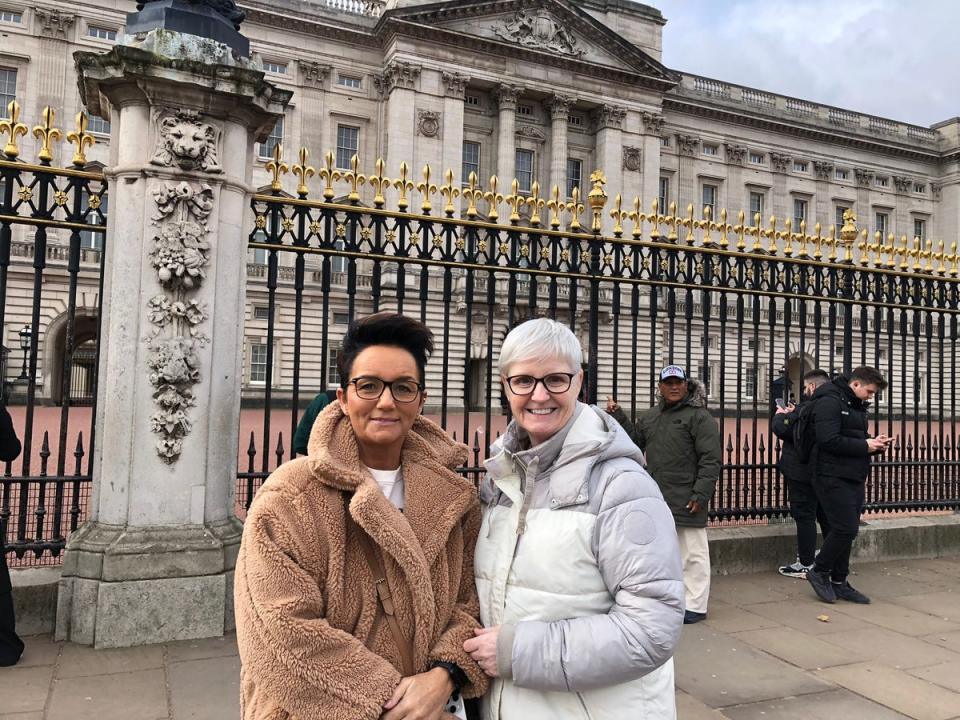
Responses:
[842,462]
[11,646]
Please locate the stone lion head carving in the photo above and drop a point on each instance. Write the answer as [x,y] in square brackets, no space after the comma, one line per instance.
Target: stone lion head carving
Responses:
[187,142]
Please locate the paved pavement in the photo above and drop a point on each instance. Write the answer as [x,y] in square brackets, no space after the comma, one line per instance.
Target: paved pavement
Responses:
[767,650]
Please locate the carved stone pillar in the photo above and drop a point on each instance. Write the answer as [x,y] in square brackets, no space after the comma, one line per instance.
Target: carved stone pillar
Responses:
[55,28]
[650,158]
[608,120]
[155,560]
[559,112]
[823,212]
[455,86]
[399,85]
[506,96]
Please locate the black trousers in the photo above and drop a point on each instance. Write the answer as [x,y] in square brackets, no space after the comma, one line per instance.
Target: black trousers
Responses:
[11,646]
[842,502]
[807,513]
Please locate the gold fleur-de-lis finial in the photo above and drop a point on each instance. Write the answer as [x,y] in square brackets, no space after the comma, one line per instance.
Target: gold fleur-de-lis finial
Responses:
[802,236]
[493,199]
[426,190]
[757,231]
[450,192]
[536,204]
[277,167]
[378,182]
[514,200]
[724,228]
[82,139]
[355,179]
[688,222]
[328,173]
[303,171]
[772,236]
[953,259]
[12,128]
[940,257]
[655,217]
[619,215]
[46,134]
[706,225]
[404,185]
[555,205]
[473,194]
[575,208]
[636,217]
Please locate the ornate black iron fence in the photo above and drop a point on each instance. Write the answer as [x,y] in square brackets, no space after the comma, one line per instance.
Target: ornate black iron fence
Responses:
[748,307]
[52,223]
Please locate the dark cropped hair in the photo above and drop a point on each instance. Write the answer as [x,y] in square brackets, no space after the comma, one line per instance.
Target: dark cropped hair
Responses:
[385,328]
[818,376]
[869,376]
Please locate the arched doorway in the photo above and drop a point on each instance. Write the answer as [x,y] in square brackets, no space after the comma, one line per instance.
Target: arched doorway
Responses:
[798,365]
[83,370]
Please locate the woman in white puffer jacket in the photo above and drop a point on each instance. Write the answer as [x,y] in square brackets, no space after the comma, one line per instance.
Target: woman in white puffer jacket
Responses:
[577,564]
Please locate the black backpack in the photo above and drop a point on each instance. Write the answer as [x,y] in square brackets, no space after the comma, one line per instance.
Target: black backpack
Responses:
[804,432]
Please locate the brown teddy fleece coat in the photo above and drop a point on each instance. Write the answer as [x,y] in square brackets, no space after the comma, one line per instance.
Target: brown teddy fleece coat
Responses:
[313,641]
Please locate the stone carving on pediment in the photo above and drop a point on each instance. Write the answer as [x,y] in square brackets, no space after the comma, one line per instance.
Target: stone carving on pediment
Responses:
[609,116]
[313,74]
[539,30]
[455,83]
[687,144]
[399,74]
[780,162]
[823,169]
[180,254]
[428,123]
[632,158]
[864,177]
[53,23]
[653,123]
[902,183]
[532,132]
[186,141]
[560,106]
[507,96]
[937,190]
[736,154]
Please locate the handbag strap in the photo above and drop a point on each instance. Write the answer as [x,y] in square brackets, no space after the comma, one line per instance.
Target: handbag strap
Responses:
[379,574]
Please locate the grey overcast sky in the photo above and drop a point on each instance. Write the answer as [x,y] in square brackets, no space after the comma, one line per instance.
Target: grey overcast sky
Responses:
[893,58]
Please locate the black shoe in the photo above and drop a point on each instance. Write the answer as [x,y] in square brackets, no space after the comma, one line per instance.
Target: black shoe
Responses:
[845,591]
[690,617]
[820,582]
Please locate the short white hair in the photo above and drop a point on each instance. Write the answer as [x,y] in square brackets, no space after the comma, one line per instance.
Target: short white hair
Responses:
[540,339]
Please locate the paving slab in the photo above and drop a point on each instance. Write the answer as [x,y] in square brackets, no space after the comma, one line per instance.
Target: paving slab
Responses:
[800,648]
[897,690]
[891,648]
[23,716]
[83,661]
[206,689]
[944,604]
[720,670]
[185,650]
[831,704]
[896,617]
[750,589]
[689,708]
[24,689]
[802,615]
[950,640]
[120,696]
[39,650]
[945,674]
[730,618]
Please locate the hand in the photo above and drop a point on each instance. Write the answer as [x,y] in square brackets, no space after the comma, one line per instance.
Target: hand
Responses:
[879,443]
[694,507]
[420,697]
[612,404]
[483,649]
[786,409]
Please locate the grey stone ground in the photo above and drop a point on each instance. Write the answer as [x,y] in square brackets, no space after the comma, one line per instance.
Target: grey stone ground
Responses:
[762,653]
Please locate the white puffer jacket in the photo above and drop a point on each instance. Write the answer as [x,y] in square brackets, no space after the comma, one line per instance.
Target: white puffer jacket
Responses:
[578,562]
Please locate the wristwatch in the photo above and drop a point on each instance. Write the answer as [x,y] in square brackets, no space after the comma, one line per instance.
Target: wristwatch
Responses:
[457,676]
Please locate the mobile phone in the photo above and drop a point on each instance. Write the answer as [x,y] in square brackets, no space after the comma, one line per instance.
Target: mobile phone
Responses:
[780,403]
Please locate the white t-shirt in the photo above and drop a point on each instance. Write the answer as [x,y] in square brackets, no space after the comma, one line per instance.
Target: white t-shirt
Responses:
[391,483]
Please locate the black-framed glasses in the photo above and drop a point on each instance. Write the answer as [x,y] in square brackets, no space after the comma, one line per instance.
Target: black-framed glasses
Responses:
[371,388]
[554,383]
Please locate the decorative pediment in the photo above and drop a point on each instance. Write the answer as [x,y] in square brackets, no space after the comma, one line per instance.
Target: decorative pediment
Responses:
[540,30]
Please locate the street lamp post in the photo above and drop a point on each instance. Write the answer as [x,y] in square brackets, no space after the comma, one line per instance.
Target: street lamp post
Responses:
[25,333]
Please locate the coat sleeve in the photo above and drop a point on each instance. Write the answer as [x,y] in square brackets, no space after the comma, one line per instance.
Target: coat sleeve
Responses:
[782,425]
[464,619]
[287,648]
[634,430]
[828,424]
[636,546]
[709,452]
[9,442]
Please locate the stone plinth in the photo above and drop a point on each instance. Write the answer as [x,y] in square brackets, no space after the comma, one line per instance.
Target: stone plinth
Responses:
[155,562]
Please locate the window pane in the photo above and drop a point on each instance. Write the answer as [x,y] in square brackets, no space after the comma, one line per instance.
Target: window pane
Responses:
[348,81]
[920,229]
[574,175]
[275,138]
[258,363]
[525,169]
[88,239]
[348,144]
[333,373]
[10,16]
[840,211]
[471,160]
[756,203]
[750,382]
[881,224]
[101,33]
[8,89]
[799,212]
[710,197]
[98,125]
[663,198]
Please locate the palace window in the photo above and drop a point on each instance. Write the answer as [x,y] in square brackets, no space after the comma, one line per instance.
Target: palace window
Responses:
[333,371]
[881,224]
[101,33]
[525,110]
[800,166]
[348,145]
[574,175]
[258,364]
[98,126]
[709,149]
[709,197]
[920,228]
[524,166]
[349,81]
[665,141]
[9,16]
[841,209]
[8,89]
[799,213]
[273,139]
[273,67]
[756,204]
[471,160]
[575,120]
[90,240]
[261,312]
[472,100]
[750,382]
[341,318]
[882,182]
[757,158]
[663,196]
[919,188]
[840,174]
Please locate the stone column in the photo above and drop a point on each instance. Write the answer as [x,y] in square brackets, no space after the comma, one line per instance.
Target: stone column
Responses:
[559,113]
[608,121]
[506,96]
[155,560]
[455,85]
[822,210]
[650,160]
[314,119]
[399,82]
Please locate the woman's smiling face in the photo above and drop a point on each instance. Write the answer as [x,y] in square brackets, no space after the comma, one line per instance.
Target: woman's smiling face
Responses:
[541,413]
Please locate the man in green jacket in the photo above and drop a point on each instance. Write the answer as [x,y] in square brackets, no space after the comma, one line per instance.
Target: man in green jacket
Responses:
[302,436]
[681,442]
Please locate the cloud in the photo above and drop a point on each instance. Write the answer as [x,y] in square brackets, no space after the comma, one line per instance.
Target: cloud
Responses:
[881,57]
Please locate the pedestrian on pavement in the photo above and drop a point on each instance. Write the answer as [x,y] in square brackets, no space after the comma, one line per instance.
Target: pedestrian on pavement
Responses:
[804,508]
[842,463]
[301,436]
[682,445]
[11,646]
[577,565]
[354,584]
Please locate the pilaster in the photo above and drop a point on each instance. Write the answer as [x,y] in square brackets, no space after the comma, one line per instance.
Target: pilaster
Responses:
[559,106]
[506,96]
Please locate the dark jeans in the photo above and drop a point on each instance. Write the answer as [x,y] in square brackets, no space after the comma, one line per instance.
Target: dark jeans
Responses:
[842,502]
[807,513]
[11,646]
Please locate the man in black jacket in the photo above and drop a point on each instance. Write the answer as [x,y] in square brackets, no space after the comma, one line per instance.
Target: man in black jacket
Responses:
[798,475]
[11,646]
[841,465]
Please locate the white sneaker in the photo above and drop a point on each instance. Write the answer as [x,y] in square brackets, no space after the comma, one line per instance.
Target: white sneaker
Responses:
[795,570]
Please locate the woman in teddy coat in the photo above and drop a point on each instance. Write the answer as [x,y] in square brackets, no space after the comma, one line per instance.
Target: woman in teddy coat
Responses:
[377,495]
